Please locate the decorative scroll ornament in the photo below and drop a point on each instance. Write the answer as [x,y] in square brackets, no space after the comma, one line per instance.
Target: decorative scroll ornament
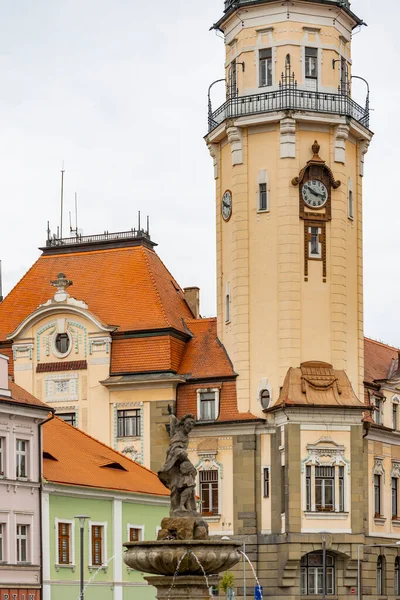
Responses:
[325,447]
[317,161]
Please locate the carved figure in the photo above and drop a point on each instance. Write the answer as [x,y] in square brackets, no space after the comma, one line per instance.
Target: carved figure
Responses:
[178,474]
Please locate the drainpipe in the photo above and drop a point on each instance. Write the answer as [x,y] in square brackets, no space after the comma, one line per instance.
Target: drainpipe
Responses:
[40,495]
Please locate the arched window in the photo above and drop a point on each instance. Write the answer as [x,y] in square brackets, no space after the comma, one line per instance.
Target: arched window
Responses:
[397,576]
[312,574]
[380,575]
[265,398]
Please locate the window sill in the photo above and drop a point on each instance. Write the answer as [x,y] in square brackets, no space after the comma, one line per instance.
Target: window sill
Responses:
[380,520]
[396,522]
[263,210]
[132,438]
[326,515]
[211,518]
[206,420]
[93,568]
[72,567]
[22,479]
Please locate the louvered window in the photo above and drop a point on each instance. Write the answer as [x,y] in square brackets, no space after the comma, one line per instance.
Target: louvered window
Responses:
[209,492]
[97,545]
[64,537]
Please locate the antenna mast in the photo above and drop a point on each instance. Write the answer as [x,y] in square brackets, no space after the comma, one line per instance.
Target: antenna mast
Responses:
[62,199]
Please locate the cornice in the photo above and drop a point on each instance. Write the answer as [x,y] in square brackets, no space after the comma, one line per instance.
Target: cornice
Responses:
[58,489]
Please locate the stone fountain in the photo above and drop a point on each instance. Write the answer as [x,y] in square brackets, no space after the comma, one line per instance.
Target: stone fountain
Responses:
[183,561]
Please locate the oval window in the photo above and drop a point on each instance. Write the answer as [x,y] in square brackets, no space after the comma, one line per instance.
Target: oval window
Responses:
[265,398]
[62,343]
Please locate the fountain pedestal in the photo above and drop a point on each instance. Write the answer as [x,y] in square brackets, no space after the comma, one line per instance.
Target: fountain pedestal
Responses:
[185,587]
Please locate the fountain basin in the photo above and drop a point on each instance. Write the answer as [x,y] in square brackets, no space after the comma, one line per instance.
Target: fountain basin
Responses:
[164,556]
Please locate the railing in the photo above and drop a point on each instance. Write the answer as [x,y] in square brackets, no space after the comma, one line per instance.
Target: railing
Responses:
[289,97]
[231,3]
[101,237]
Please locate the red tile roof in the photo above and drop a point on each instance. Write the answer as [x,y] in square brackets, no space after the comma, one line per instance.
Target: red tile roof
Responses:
[127,287]
[21,396]
[378,358]
[205,356]
[82,460]
[65,365]
[146,354]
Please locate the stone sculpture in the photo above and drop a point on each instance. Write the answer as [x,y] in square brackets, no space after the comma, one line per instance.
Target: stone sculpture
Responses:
[178,474]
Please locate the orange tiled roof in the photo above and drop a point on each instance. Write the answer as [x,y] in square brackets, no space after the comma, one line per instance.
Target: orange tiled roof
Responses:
[146,354]
[378,358]
[205,356]
[81,460]
[127,287]
[21,396]
[228,410]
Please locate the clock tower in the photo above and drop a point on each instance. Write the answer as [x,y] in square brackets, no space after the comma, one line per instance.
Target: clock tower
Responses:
[288,147]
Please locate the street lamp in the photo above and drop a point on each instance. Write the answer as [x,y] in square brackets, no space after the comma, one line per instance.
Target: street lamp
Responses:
[396,545]
[82,519]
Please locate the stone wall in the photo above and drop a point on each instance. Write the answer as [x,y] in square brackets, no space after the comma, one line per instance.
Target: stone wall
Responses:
[159,419]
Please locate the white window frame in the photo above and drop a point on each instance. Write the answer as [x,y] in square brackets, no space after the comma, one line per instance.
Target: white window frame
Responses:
[379,412]
[308,80]
[3,548]
[20,537]
[262,179]
[71,543]
[311,255]
[259,50]
[133,526]
[216,392]
[312,511]
[213,467]
[396,400]
[263,469]
[26,453]
[350,200]
[54,348]
[104,544]
[228,300]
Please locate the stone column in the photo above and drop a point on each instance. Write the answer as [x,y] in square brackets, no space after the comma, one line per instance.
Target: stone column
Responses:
[186,587]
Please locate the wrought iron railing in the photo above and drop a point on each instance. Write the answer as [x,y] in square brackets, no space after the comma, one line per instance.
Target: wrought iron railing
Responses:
[289,97]
[231,3]
[101,237]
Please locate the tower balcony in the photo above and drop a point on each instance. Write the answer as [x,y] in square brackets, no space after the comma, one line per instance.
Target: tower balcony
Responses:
[237,3]
[288,96]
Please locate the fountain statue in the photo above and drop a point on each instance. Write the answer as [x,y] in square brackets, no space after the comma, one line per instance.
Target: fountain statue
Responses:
[184,561]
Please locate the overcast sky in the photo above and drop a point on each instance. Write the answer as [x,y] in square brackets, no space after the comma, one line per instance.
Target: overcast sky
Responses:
[118,90]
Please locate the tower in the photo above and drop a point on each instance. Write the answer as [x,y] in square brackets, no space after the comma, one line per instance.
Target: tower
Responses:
[288,147]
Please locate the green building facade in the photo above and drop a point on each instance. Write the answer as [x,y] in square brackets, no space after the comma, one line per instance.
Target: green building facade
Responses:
[114,518]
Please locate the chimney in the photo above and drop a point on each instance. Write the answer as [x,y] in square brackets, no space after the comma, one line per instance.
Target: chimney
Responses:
[192,297]
[4,391]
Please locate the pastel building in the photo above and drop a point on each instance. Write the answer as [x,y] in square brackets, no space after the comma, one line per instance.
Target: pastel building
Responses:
[123,500]
[21,419]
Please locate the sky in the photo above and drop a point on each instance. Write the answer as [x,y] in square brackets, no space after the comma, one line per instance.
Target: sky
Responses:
[118,91]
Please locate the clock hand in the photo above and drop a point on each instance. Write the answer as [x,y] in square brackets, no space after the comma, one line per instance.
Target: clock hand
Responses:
[316,193]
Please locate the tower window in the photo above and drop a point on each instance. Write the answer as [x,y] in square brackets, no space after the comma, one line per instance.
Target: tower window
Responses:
[262,196]
[311,56]
[377,495]
[265,67]
[351,205]
[394,497]
[314,243]
[233,80]
[394,415]
[266,482]
[228,303]
[265,398]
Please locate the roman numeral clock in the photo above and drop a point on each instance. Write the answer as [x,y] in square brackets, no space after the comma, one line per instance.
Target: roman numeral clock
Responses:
[315,183]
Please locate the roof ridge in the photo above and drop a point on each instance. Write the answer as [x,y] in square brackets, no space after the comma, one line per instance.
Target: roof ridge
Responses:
[106,446]
[381,343]
[98,251]
[201,319]
[156,288]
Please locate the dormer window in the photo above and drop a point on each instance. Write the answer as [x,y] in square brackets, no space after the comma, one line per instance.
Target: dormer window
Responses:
[207,404]
[378,411]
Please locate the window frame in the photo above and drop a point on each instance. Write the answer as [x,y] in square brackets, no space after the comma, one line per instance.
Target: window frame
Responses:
[378,411]
[139,528]
[137,419]
[380,575]
[73,419]
[2,456]
[214,512]
[317,574]
[308,55]
[265,74]
[266,479]
[228,302]
[19,538]
[71,551]
[350,201]
[102,524]
[3,542]
[395,413]
[394,497]
[216,392]
[262,197]
[340,487]
[397,576]
[19,454]
[56,351]
[377,495]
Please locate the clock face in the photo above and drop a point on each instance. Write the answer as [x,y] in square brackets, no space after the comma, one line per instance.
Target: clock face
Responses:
[226,206]
[315,193]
